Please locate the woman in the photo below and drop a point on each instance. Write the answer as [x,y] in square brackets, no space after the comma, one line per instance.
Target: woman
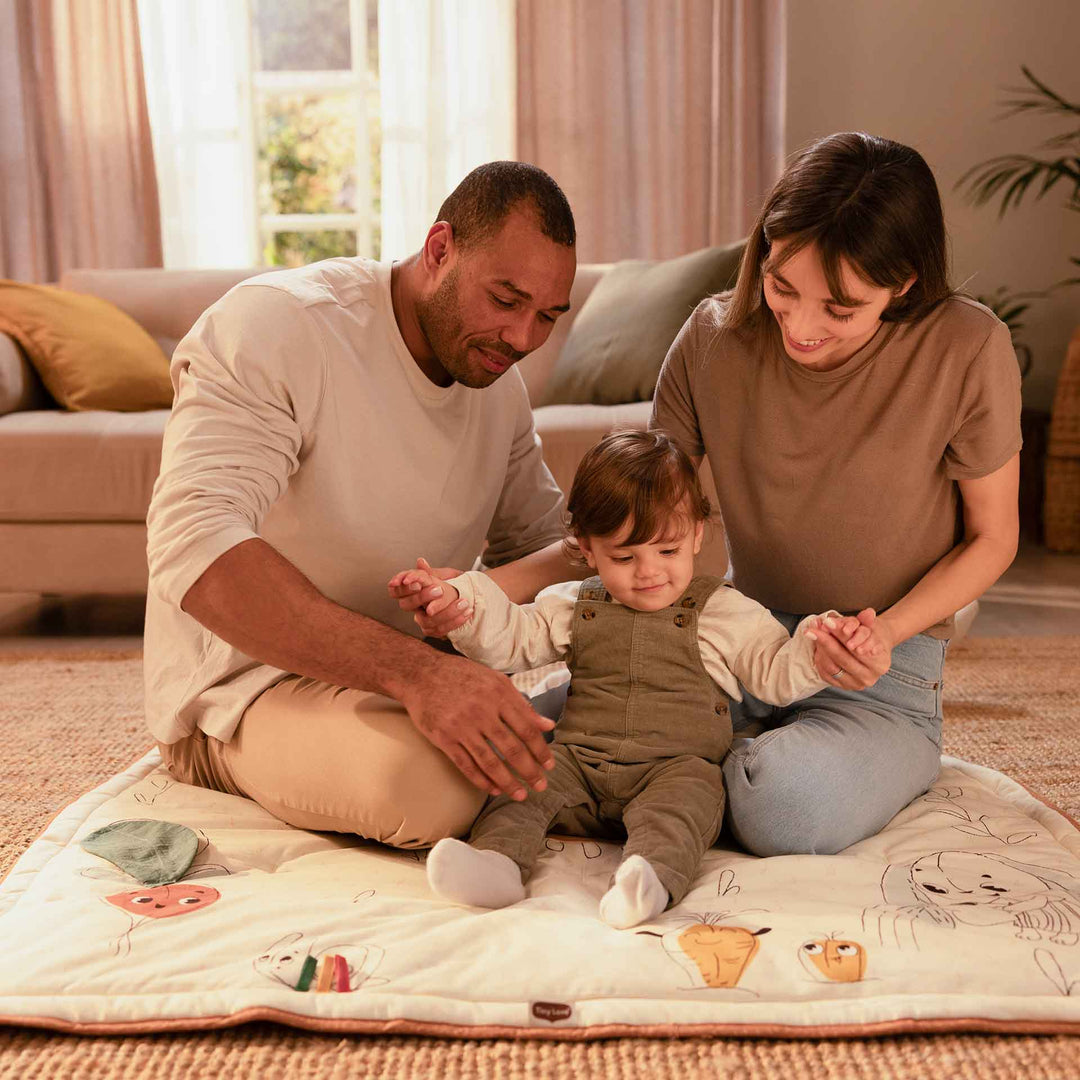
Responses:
[862,424]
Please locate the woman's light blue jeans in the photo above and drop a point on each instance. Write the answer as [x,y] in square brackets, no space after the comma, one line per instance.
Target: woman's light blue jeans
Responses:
[813,777]
[820,774]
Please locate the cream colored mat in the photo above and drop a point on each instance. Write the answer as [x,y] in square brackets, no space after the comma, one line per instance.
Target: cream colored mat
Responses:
[963,914]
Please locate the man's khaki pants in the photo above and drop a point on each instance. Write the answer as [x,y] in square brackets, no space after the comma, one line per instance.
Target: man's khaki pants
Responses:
[326,758]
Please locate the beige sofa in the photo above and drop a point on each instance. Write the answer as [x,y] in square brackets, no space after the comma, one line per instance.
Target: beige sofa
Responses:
[75,486]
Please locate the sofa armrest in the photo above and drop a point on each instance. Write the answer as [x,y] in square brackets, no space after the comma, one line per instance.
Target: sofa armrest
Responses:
[20,387]
[567,431]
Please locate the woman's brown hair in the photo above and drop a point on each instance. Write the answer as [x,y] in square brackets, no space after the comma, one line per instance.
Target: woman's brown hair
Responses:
[638,476]
[860,199]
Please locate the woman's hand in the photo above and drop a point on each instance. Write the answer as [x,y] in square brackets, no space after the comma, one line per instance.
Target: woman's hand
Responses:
[436,607]
[852,653]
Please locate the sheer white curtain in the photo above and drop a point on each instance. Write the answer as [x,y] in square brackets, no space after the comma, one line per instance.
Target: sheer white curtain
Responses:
[195,56]
[448,81]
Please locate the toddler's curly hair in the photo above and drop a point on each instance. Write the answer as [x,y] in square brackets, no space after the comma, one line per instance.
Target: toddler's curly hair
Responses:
[639,476]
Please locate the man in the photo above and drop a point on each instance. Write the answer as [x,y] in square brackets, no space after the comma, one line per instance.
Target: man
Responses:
[330,424]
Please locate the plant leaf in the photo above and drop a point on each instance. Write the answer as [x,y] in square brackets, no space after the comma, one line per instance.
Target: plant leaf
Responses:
[152,852]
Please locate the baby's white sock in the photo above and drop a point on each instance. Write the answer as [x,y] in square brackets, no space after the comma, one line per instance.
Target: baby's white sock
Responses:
[469,875]
[636,895]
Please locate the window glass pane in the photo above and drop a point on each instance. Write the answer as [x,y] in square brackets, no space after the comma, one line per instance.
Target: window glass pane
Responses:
[302,35]
[307,153]
[300,248]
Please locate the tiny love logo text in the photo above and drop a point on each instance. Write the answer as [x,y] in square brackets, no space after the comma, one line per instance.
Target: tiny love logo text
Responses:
[551,1011]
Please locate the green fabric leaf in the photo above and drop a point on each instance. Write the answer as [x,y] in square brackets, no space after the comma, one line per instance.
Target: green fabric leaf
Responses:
[152,852]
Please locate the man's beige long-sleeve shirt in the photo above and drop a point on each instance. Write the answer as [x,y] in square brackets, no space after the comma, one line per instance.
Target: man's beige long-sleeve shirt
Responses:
[301,417]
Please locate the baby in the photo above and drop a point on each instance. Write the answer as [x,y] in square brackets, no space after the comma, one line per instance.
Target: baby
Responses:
[654,654]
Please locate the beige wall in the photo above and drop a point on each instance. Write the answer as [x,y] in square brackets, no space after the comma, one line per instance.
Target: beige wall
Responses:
[929,73]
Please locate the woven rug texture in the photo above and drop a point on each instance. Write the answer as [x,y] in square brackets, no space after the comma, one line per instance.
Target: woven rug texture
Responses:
[70,720]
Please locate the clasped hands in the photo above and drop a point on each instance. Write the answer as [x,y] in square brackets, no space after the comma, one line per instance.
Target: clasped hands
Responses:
[436,606]
[851,652]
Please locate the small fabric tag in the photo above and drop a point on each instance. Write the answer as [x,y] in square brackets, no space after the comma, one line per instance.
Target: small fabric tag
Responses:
[551,1013]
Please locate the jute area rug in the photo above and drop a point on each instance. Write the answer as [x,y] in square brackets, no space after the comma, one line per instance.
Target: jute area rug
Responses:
[70,720]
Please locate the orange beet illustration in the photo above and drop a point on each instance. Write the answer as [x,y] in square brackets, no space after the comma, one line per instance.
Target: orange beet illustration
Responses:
[163,901]
[721,953]
[840,961]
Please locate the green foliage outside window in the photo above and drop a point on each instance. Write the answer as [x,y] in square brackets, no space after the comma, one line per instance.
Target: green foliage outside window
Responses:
[307,160]
[307,152]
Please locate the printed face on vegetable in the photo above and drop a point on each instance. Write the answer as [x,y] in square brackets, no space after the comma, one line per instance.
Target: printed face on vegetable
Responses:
[164,901]
[840,961]
[721,953]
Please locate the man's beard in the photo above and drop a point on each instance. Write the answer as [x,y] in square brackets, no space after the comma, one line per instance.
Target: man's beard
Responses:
[440,320]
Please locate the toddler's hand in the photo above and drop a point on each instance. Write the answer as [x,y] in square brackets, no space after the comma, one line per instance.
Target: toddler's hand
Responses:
[437,607]
[854,635]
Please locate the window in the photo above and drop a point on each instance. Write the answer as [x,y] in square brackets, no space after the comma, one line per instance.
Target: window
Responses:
[272,123]
[315,106]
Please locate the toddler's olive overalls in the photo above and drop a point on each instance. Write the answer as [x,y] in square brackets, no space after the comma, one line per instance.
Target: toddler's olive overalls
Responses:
[638,749]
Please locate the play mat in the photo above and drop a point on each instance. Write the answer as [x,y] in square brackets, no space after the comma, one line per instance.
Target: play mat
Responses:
[962,914]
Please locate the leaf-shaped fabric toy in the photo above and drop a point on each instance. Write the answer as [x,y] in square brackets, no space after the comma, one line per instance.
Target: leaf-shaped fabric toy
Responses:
[152,852]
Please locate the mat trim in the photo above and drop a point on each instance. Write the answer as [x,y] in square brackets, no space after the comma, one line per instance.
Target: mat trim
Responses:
[402,1026]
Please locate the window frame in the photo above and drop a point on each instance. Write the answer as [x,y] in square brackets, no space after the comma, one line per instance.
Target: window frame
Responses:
[356,82]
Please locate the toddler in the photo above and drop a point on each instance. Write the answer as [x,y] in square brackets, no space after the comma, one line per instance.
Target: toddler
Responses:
[654,654]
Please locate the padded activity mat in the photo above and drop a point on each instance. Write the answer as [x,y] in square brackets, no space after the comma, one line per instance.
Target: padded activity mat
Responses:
[963,914]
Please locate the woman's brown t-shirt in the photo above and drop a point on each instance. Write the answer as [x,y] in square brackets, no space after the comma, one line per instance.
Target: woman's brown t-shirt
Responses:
[838,488]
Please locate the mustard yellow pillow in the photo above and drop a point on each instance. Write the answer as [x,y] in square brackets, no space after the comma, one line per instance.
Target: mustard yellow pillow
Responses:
[89,353]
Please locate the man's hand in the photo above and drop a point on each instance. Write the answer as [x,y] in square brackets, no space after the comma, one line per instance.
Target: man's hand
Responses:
[469,711]
[436,607]
[852,653]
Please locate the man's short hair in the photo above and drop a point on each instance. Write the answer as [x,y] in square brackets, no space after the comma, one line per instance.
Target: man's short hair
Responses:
[477,208]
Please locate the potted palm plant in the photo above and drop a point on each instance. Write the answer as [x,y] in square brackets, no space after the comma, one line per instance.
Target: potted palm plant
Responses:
[1008,179]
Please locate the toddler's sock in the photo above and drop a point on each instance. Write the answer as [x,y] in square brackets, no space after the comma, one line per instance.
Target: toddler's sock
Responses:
[474,876]
[635,896]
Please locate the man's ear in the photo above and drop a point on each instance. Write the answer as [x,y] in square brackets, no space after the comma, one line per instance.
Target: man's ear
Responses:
[586,550]
[438,250]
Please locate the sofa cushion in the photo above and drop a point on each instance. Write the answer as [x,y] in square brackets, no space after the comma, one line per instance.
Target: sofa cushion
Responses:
[618,341]
[79,466]
[20,387]
[104,557]
[89,354]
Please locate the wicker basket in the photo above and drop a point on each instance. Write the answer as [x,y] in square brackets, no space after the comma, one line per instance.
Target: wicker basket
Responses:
[1061,512]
